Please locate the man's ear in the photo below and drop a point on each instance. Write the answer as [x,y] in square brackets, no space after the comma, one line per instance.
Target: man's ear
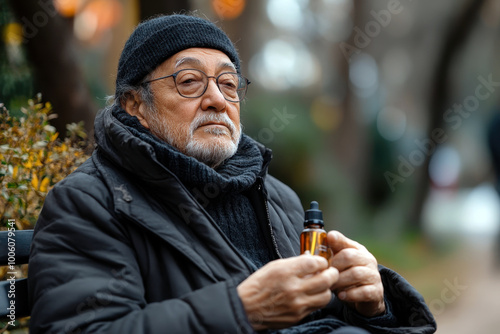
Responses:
[135,107]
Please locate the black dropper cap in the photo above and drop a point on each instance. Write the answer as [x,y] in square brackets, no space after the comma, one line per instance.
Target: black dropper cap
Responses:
[314,215]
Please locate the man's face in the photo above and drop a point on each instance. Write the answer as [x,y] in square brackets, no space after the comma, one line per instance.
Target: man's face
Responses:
[207,127]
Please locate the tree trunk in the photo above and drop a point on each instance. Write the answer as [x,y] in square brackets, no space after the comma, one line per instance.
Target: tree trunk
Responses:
[53,51]
[349,141]
[454,41]
[148,8]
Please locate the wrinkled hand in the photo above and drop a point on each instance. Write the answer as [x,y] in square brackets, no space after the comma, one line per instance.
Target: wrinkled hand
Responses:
[284,291]
[359,282]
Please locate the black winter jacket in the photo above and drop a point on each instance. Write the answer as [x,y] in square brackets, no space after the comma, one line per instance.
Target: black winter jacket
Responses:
[121,246]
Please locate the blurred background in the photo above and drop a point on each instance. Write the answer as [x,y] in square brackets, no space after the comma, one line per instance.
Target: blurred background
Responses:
[386,112]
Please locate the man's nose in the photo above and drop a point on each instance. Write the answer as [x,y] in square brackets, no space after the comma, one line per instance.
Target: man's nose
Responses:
[213,98]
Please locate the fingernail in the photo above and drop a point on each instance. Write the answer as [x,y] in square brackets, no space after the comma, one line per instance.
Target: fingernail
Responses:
[342,295]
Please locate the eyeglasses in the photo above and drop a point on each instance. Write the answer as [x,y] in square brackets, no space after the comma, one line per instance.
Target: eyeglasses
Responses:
[192,83]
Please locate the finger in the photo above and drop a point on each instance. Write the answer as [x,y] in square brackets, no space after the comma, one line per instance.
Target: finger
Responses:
[337,241]
[356,276]
[298,309]
[317,301]
[362,294]
[321,282]
[304,265]
[350,257]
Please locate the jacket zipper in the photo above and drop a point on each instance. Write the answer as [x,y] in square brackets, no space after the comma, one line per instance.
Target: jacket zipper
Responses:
[273,239]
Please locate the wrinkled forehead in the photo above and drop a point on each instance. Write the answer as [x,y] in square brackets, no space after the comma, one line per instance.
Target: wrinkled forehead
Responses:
[199,58]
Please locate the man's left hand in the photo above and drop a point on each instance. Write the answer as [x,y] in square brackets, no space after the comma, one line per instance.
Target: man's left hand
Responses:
[359,282]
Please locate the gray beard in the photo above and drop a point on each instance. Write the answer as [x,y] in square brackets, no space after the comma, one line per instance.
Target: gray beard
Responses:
[213,153]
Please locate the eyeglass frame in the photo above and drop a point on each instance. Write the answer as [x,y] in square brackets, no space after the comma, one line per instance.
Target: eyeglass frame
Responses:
[174,75]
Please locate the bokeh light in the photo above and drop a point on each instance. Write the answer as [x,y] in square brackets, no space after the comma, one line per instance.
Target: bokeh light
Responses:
[481,211]
[284,64]
[286,14]
[391,123]
[67,8]
[363,74]
[97,17]
[85,25]
[445,167]
[13,34]
[326,113]
[228,9]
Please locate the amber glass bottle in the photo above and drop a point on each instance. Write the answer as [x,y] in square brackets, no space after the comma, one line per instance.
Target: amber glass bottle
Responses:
[313,237]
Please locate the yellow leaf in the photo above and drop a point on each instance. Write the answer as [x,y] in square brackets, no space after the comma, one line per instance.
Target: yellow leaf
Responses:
[14,172]
[28,164]
[34,182]
[54,136]
[44,184]
[64,148]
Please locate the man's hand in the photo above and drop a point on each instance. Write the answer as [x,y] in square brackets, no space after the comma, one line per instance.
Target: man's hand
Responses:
[284,291]
[359,282]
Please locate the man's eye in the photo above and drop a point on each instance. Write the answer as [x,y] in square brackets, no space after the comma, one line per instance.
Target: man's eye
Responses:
[187,80]
[228,83]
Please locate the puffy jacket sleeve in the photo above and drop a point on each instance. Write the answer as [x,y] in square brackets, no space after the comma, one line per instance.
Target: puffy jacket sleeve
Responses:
[406,309]
[84,277]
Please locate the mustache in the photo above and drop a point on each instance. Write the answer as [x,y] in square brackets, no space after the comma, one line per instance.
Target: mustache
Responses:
[205,118]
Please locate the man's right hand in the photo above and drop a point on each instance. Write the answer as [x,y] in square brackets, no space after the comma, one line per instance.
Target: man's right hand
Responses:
[284,291]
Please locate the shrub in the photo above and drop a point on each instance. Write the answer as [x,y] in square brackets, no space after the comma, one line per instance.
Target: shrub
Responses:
[33,158]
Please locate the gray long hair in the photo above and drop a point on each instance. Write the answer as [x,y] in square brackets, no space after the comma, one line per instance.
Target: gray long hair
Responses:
[123,92]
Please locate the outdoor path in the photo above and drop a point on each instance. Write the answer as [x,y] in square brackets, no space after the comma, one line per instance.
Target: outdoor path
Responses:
[469,302]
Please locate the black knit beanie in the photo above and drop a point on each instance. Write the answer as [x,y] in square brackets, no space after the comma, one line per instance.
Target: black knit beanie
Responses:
[155,40]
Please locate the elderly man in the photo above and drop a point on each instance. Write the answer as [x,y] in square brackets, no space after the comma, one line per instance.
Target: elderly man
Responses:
[174,226]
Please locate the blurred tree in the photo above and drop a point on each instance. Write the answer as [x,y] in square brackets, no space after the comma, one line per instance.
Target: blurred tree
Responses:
[16,82]
[454,41]
[150,8]
[53,52]
[349,142]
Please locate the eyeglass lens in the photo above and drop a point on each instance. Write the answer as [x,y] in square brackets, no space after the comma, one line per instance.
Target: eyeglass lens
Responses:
[193,83]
